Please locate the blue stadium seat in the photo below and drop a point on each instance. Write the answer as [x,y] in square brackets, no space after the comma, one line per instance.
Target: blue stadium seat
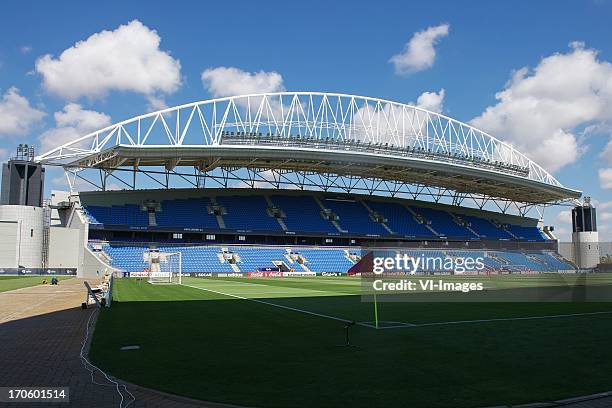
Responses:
[485,228]
[128,214]
[400,220]
[520,260]
[206,258]
[253,258]
[194,259]
[354,217]
[443,223]
[302,213]
[526,233]
[554,262]
[326,260]
[186,213]
[247,213]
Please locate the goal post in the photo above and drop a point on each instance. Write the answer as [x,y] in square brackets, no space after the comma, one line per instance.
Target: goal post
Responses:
[164,267]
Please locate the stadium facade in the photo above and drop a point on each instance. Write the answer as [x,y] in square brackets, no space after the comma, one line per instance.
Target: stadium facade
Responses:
[291,182]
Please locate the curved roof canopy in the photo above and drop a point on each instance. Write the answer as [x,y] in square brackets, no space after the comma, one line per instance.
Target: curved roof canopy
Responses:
[346,135]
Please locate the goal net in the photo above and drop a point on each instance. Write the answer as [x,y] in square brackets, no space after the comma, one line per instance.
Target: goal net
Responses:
[164,267]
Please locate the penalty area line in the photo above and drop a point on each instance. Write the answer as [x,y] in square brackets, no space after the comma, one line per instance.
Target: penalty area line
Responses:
[293,309]
[401,325]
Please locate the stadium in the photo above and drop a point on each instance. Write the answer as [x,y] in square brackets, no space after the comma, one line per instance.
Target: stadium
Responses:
[236,236]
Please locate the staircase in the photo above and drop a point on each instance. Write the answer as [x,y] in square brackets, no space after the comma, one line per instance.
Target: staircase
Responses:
[280,221]
[510,233]
[304,267]
[334,222]
[464,225]
[152,219]
[219,217]
[416,218]
[222,259]
[384,224]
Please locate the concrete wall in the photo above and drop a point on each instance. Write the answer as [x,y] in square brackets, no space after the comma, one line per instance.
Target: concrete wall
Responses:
[93,266]
[8,244]
[586,249]
[73,222]
[56,198]
[88,264]
[64,247]
[29,233]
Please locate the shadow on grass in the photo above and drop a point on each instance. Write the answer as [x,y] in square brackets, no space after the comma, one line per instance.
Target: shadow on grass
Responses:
[247,353]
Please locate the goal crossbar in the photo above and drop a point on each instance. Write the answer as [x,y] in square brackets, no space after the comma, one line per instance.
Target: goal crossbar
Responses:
[164,267]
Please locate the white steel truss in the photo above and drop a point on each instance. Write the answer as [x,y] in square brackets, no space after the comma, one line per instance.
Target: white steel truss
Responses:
[311,115]
[457,161]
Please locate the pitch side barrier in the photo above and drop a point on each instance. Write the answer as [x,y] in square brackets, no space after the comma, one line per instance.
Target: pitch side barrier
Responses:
[37,271]
[264,274]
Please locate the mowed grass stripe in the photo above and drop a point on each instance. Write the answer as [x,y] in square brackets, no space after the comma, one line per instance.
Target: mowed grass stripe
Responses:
[263,302]
[319,284]
[265,287]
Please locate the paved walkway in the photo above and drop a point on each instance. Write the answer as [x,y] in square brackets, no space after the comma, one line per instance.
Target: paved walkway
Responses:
[41,333]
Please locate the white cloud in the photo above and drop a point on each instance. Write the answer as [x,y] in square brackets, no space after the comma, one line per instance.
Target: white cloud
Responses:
[25,49]
[16,114]
[431,101]
[60,182]
[539,109]
[565,217]
[229,81]
[71,123]
[126,59]
[607,151]
[391,122]
[156,103]
[604,219]
[265,179]
[605,178]
[419,53]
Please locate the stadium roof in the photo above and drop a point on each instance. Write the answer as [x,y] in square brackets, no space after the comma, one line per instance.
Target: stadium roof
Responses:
[317,133]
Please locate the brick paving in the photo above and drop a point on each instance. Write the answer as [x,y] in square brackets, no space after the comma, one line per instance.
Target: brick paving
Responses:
[41,334]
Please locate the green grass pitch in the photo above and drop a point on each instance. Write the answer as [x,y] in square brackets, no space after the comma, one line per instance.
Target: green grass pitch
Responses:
[17,282]
[198,341]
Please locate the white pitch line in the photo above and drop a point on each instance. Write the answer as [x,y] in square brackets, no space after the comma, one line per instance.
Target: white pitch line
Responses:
[274,304]
[393,325]
[403,325]
[251,284]
[500,319]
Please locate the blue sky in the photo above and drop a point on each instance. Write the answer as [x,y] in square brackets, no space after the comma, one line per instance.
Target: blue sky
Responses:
[331,46]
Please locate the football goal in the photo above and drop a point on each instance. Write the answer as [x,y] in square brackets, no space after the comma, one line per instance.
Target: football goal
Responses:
[164,267]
